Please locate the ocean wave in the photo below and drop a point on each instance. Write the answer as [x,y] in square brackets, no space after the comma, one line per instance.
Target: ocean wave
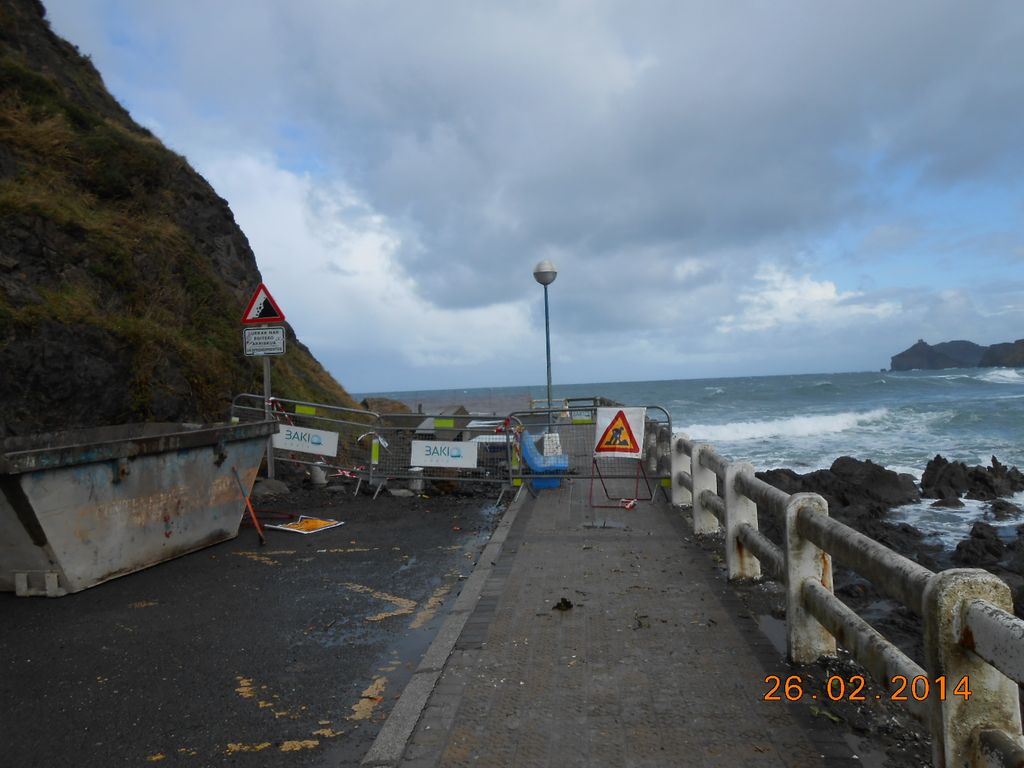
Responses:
[792,426]
[1002,376]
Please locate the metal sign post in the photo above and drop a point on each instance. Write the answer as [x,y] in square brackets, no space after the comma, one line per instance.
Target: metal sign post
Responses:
[264,341]
[269,414]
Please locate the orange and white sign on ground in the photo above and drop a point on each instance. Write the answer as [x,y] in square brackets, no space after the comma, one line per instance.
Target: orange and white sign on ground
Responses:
[619,432]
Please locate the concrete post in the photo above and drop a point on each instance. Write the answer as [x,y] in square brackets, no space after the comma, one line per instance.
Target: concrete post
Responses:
[739,510]
[806,639]
[704,520]
[680,463]
[993,702]
[651,448]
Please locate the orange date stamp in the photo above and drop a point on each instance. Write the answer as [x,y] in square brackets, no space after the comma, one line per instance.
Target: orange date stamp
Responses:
[854,688]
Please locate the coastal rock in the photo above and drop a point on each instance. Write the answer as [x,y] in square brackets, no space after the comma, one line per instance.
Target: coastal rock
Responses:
[983,549]
[858,493]
[1001,509]
[1004,355]
[849,482]
[925,357]
[943,479]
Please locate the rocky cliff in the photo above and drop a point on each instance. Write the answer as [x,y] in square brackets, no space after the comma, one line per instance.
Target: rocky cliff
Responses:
[123,274]
[958,354]
[1004,355]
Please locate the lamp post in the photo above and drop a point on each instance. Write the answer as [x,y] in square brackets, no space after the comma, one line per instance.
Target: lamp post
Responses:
[545,274]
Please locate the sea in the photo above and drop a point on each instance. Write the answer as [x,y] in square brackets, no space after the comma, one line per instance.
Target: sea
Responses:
[804,422]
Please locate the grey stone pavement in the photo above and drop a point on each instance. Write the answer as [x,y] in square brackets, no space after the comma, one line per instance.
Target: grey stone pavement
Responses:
[657,662]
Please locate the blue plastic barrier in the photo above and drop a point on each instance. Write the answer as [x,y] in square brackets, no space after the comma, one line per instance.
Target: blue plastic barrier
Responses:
[539,464]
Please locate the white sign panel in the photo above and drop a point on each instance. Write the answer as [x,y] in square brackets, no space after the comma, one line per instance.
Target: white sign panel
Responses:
[303,440]
[264,341]
[619,432]
[441,453]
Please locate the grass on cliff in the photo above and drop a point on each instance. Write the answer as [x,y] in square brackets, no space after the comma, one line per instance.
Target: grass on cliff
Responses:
[107,192]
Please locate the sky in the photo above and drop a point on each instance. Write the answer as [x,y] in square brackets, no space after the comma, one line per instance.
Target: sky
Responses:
[725,188]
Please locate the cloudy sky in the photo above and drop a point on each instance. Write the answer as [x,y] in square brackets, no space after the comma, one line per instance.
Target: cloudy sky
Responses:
[726,188]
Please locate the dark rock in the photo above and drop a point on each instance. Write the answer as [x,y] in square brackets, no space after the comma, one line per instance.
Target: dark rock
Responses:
[983,548]
[784,479]
[1000,509]
[922,356]
[943,479]
[1004,355]
[947,504]
[267,487]
[876,482]
[849,482]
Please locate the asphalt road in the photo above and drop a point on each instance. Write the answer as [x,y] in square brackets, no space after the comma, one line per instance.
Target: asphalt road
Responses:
[291,654]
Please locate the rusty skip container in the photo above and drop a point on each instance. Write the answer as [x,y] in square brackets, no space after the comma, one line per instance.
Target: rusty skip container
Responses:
[78,508]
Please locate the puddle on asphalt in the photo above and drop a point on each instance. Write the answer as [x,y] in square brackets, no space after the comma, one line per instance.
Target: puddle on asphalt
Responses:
[775,630]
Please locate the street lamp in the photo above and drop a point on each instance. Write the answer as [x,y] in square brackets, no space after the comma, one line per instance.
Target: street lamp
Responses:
[545,274]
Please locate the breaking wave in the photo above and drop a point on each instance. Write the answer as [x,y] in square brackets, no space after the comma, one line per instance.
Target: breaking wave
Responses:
[1002,376]
[793,426]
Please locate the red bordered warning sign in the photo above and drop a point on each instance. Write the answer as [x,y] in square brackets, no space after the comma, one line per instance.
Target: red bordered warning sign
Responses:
[262,308]
[620,432]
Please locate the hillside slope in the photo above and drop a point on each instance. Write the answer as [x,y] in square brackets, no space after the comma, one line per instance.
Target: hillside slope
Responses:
[123,274]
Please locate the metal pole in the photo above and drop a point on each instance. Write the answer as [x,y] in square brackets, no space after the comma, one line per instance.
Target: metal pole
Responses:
[269,415]
[547,339]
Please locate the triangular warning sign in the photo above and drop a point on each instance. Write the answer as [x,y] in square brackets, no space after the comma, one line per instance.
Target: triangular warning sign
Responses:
[262,308]
[618,437]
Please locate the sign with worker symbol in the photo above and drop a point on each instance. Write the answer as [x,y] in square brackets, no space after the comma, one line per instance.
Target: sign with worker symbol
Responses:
[619,432]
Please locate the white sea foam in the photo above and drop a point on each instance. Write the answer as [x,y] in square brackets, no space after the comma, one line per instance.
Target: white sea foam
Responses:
[950,526]
[793,426]
[1002,376]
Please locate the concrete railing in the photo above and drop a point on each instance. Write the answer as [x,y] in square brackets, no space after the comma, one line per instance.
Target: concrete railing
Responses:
[967,691]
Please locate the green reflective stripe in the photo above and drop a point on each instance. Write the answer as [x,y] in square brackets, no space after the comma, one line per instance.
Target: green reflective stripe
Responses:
[582,421]
[444,423]
[309,410]
[666,482]
[517,482]
[375,452]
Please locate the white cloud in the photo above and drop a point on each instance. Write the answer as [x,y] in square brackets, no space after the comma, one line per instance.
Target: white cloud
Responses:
[784,300]
[399,169]
[329,260]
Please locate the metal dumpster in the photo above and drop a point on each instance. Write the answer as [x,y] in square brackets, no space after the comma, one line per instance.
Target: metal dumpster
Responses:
[78,508]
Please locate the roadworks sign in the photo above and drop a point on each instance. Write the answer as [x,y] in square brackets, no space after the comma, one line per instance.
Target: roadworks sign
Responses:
[619,432]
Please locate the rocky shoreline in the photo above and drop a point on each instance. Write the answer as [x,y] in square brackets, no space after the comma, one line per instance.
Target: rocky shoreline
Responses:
[862,494]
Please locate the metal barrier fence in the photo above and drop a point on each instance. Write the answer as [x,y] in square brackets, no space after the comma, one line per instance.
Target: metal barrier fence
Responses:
[379,448]
[574,425]
[967,692]
[453,446]
[459,447]
[316,434]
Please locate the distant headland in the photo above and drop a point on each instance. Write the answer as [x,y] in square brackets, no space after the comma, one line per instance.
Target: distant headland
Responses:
[958,354]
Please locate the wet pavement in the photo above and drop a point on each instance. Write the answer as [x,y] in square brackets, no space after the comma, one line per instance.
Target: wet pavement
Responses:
[291,654]
[604,637]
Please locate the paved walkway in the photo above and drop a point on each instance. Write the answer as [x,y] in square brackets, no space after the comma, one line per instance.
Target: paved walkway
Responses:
[657,662]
